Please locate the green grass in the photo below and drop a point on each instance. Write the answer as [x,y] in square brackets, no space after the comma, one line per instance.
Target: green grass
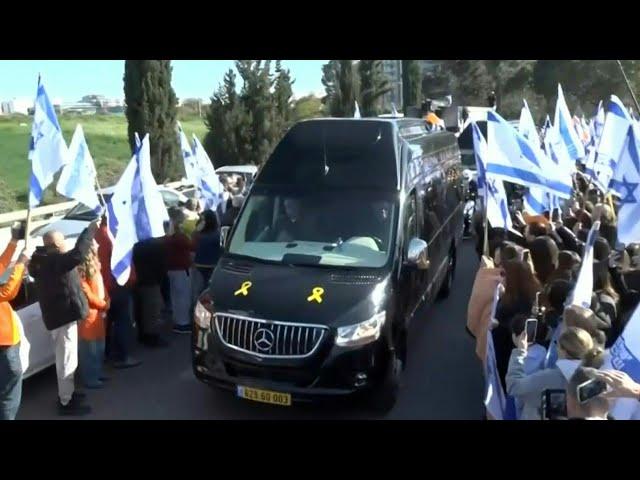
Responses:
[107,139]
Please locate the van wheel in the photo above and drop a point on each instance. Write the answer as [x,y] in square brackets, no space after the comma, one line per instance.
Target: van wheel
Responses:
[445,290]
[385,395]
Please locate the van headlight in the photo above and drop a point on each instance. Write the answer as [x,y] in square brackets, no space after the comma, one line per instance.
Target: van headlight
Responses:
[361,333]
[203,311]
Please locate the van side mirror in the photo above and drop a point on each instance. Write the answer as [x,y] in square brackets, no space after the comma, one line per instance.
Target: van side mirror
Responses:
[224,234]
[418,254]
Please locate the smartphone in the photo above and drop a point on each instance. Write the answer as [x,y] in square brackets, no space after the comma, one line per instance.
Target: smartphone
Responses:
[554,404]
[19,229]
[525,255]
[591,389]
[531,326]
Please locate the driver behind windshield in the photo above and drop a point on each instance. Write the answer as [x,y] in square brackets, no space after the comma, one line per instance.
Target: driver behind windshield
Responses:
[375,224]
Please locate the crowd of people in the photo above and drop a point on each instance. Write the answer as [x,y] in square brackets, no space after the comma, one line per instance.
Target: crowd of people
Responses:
[90,316]
[537,265]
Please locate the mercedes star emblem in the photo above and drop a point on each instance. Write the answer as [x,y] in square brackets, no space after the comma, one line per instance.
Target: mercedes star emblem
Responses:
[263,339]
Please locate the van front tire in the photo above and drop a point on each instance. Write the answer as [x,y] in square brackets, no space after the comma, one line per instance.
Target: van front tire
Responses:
[385,395]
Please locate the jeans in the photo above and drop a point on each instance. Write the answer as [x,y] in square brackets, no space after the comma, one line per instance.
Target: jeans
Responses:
[119,318]
[65,340]
[10,382]
[91,358]
[180,296]
[199,280]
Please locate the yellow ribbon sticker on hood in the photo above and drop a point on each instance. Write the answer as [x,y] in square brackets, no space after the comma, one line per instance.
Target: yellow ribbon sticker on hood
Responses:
[244,289]
[316,295]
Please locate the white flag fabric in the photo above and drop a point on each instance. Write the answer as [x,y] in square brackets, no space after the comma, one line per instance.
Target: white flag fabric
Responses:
[581,295]
[494,397]
[612,141]
[187,157]
[625,182]
[535,200]
[137,209]
[207,181]
[625,352]
[563,123]
[356,114]
[527,126]
[492,189]
[78,177]
[595,132]
[47,150]
[515,159]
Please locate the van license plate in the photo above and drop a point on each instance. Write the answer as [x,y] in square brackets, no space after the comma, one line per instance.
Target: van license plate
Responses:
[264,396]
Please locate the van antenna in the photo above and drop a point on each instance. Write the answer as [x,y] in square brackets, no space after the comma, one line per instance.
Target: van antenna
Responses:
[324,151]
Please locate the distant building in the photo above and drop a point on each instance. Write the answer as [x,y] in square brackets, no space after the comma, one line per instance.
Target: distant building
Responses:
[16,106]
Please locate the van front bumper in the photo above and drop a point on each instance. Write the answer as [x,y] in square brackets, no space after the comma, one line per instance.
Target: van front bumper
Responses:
[331,372]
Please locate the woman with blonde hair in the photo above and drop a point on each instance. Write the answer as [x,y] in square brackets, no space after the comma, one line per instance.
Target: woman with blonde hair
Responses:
[92,330]
[575,348]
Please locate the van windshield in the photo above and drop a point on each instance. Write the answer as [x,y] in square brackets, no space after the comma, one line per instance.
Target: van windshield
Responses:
[325,228]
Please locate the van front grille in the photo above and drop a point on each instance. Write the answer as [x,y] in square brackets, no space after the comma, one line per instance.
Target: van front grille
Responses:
[269,339]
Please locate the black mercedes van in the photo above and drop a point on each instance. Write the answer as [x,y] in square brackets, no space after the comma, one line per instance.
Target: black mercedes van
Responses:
[350,224]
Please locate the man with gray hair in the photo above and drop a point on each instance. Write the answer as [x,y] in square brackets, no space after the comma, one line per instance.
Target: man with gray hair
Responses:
[63,304]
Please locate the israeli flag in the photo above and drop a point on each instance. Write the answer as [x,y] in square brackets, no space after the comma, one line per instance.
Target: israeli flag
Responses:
[207,180]
[563,124]
[515,159]
[78,177]
[625,182]
[595,132]
[581,295]
[535,200]
[527,126]
[188,157]
[625,352]
[136,211]
[494,397]
[47,149]
[493,192]
[356,114]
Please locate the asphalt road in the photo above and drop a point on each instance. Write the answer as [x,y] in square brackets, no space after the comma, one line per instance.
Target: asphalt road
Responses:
[443,379]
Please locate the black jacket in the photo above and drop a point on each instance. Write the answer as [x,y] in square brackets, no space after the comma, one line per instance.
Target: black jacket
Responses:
[62,300]
[150,261]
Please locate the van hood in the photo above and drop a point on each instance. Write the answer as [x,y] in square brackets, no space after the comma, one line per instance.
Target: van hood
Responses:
[292,293]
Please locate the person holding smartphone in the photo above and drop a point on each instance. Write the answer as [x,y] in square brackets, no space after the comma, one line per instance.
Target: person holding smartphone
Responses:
[586,395]
[575,347]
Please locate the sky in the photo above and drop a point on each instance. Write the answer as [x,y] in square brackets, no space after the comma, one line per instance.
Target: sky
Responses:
[70,80]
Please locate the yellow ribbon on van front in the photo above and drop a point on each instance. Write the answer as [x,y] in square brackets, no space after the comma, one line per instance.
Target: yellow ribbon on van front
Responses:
[316,294]
[244,289]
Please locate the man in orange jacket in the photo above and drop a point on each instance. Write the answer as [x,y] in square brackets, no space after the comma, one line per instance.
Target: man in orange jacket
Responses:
[10,365]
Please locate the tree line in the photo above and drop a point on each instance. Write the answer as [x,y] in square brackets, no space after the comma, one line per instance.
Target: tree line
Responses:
[245,123]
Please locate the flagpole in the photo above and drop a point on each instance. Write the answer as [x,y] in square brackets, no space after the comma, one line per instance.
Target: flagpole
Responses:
[27,228]
[485,247]
[628,85]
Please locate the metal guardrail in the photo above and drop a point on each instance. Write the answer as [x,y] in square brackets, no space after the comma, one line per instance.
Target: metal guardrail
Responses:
[6,219]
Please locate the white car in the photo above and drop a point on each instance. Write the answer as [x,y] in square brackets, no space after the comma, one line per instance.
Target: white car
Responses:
[36,346]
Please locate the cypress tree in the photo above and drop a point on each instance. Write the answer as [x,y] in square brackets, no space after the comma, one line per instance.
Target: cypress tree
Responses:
[411,84]
[373,85]
[151,107]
